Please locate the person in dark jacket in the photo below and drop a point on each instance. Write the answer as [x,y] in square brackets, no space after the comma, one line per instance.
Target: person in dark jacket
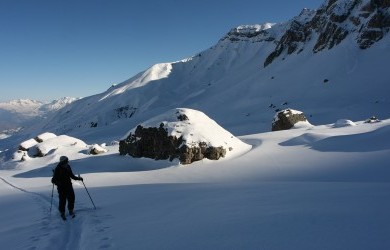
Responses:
[62,179]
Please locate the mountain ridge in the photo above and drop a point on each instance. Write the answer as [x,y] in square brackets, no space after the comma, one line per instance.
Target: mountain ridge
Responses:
[24,112]
[367,21]
[229,81]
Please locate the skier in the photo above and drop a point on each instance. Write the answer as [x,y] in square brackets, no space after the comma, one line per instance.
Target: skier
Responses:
[62,179]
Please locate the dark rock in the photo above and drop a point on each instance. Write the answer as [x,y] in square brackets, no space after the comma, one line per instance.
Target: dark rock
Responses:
[155,143]
[372,119]
[369,37]
[191,154]
[379,20]
[376,28]
[286,119]
[331,24]
[332,35]
[296,34]
[96,150]
[125,112]
[248,33]
[355,20]
[380,3]
[182,117]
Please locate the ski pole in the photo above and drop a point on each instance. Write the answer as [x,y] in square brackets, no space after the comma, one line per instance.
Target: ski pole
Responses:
[89,195]
[52,191]
[51,202]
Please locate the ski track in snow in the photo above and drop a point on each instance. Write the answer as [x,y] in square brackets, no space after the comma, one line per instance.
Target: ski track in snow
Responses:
[75,233]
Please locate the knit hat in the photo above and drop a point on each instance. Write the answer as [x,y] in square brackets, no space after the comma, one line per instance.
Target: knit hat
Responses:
[64,159]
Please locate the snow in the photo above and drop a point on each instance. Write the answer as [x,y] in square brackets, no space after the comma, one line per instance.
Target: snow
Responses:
[3,136]
[59,142]
[303,124]
[253,29]
[45,136]
[28,144]
[343,123]
[98,149]
[156,72]
[197,127]
[313,188]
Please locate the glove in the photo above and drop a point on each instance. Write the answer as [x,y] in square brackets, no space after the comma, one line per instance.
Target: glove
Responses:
[53,181]
[81,178]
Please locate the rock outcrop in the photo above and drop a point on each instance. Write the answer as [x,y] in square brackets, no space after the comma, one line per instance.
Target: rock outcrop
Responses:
[184,134]
[286,119]
[96,149]
[372,119]
[252,33]
[368,21]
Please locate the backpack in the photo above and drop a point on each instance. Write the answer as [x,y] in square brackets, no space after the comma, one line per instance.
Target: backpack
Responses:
[59,175]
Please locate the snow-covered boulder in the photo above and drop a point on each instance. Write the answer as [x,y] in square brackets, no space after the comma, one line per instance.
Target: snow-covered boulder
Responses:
[372,119]
[96,150]
[186,134]
[289,118]
[26,145]
[25,157]
[62,141]
[45,136]
[343,123]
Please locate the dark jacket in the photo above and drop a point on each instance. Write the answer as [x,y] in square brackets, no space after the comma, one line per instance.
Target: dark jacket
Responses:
[63,174]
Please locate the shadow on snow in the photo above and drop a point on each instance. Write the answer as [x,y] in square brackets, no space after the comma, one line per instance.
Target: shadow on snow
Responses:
[101,164]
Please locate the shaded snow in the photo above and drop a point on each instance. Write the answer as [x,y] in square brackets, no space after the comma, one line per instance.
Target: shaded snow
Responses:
[343,123]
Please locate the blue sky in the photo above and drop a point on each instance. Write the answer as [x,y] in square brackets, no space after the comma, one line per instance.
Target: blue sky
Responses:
[51,49]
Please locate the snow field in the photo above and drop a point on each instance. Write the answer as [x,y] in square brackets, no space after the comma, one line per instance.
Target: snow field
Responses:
[310,188]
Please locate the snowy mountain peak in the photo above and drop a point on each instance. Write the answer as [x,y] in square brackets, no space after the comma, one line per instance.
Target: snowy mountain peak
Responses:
[57,104]
[156,72]
[252,29]
[20,103]
[24,112]
[305,15]
[21,106]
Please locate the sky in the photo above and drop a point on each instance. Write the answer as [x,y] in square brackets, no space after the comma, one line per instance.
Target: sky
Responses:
[52,49]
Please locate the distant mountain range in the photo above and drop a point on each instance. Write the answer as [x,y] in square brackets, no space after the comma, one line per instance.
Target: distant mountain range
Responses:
[23,112]
[330,63]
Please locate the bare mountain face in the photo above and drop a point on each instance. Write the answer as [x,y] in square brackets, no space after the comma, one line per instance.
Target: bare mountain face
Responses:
[330,63]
